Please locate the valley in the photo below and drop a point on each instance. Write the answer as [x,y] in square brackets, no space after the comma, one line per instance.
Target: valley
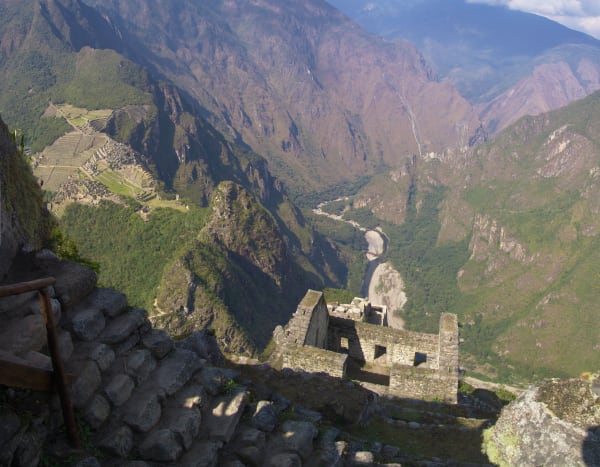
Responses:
[382,284]
[485,214]
[197,167]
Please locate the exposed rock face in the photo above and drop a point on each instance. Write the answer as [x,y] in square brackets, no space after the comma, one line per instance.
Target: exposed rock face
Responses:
[554,424]
[550,86]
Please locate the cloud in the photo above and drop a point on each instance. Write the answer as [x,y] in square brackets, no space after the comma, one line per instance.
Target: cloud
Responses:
[583,15]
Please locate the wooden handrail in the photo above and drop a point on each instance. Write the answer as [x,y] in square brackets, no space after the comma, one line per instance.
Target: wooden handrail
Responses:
[59,375]
[23,287]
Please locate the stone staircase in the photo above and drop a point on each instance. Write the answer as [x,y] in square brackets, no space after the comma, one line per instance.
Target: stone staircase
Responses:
[141,399]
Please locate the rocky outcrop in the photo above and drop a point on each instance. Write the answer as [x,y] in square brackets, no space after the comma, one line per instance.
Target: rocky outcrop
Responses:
[556,423]
[241,277]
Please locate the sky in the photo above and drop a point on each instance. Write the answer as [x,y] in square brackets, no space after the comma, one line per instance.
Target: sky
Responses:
[582,15]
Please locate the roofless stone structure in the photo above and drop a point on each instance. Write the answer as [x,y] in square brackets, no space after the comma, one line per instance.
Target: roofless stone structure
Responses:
[409,364]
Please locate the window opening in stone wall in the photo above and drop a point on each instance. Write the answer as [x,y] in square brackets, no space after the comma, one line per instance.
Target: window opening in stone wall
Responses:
[420,358]
[344,345]
[380,351]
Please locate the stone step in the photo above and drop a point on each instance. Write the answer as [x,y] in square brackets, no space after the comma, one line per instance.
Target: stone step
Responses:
[223,415]
[143,409]
[293,437]
[23,334]
[16,306]
[203,454]
[174,434]
[158,342]
[173,372]
[87,381]
[86,322]
[124,327]
[249,445]
[74,282]
[111,302]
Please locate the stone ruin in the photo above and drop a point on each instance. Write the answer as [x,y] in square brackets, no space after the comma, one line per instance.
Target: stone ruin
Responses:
[342,342]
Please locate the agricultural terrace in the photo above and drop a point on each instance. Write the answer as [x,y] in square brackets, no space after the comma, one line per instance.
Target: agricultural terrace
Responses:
[65,159]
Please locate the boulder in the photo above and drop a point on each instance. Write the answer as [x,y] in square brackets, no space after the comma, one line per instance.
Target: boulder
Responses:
[264,417]
[161,446]
[119,389]
[225,416]
[548,425]
[158,342]
[294,436]
[143,411]
[140,364]
[117,442]
[88,323]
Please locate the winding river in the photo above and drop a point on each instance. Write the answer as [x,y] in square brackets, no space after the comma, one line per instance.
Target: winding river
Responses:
[381,282]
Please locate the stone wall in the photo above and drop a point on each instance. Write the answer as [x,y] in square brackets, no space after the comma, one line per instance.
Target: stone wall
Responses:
[423,384]
[314,360]
[309,322]
[422,366]
[448,343]
[370,343]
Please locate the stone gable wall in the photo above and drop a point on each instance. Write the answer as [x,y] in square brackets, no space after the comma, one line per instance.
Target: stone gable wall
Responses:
[309,322]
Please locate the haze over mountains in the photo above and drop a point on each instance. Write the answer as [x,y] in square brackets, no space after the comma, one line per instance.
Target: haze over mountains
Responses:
[508,63]
[233,106]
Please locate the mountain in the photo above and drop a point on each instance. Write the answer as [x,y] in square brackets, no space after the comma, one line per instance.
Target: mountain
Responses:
[507,62]
[528,202]
[184,126]
[132,153]
[321,99]
[506,235]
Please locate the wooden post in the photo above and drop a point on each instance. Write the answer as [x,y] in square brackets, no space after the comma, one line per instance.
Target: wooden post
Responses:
[64,391]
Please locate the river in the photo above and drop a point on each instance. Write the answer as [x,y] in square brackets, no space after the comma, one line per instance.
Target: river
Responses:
[381,282]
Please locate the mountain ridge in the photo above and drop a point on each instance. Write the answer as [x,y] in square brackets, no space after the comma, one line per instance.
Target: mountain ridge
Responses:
[507,63]
[301,116]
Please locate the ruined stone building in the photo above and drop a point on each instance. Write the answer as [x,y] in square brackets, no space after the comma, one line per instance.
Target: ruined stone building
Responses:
[343,342]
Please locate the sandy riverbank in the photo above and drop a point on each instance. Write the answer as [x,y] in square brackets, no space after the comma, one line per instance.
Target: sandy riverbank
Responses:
[376,244]
[387,288]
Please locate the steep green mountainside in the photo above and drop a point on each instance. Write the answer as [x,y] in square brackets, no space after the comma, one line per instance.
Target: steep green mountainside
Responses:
[23,219]
[509,62]
[529,202]
[226,267]
[37,42]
